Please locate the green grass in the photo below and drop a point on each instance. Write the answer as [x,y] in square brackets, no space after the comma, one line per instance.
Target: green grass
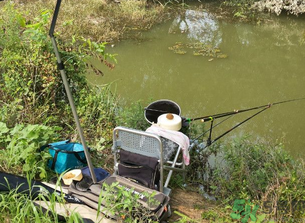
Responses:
[99,20]
[16,208]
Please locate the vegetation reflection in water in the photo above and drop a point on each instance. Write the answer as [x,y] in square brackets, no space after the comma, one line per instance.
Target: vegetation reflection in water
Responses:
[200,27]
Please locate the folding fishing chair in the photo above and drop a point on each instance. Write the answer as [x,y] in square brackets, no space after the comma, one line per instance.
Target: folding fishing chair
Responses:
[151,145]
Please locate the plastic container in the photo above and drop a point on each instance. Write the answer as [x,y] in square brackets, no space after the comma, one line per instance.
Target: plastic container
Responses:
[71,175]
[170,121]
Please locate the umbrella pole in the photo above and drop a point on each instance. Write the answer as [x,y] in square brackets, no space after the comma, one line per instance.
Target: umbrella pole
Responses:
[68,91]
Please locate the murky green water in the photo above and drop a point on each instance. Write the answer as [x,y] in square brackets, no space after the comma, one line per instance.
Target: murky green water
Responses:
[265,64]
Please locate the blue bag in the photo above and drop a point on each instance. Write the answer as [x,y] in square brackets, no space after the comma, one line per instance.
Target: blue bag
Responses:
[99,172]
[66,155]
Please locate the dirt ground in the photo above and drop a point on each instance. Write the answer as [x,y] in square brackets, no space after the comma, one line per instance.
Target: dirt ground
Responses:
[188,203]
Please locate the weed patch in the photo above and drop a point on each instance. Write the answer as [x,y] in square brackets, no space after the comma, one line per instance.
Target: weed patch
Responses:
[262,173]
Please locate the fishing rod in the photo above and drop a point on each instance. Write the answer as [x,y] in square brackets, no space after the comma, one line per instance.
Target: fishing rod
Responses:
[205,132]
[234,112]
[209,140]
[156,110]
[230,114]
[220,115]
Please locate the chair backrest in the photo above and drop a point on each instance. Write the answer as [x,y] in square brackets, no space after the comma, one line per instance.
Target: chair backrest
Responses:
[137,141]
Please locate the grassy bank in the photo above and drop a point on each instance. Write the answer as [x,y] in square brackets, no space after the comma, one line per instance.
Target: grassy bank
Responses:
[100,20]
[259,178]
[32,91]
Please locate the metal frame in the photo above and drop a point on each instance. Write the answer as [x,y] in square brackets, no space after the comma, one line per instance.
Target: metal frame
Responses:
[68,91]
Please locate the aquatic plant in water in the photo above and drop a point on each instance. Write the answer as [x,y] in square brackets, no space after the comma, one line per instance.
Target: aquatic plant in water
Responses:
[199,49]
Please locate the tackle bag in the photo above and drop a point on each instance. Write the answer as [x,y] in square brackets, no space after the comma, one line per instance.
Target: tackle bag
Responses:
[139,168]
[155,203]
[66,155]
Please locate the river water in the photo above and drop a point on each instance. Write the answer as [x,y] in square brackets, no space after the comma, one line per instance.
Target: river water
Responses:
[210,65]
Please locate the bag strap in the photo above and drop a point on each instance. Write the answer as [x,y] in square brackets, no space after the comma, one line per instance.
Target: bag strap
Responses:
[54,159]
[55,143]
[42,148]
[84,161]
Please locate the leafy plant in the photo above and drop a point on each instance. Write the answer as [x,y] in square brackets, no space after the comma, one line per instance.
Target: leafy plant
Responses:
[21,148]
[259,172]
[31,87]
[123,204]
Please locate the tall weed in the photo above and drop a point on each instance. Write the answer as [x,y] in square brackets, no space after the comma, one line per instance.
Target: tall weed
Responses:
[31,87]
[20,149]
[132,116]
[261,172]
[123,204]
[16,207]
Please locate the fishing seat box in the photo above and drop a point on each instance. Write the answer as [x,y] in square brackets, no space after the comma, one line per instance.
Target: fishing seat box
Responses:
[142,169]
[159,207]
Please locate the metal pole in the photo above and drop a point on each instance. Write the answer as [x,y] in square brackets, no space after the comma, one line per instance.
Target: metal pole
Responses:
[68,91]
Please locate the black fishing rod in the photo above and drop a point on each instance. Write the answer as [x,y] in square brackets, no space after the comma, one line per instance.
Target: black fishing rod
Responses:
[234,112]
[156,110]
[209,142]
[230,114]
[205,132]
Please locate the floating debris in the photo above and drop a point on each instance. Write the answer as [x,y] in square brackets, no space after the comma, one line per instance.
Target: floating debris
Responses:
[178,48]
[222,56]
[199,49]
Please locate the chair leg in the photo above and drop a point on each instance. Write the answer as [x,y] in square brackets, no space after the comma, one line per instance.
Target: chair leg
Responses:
[184,172]
[173,165]
[168,178]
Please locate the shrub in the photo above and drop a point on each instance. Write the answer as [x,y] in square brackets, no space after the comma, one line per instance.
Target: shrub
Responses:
[277,7]
[132,116]
[31,87]
[259,172]
[20,149]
